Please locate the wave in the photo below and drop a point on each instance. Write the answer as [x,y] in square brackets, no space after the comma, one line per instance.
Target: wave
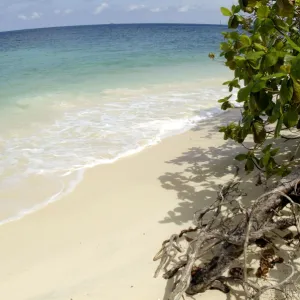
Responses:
[94,131]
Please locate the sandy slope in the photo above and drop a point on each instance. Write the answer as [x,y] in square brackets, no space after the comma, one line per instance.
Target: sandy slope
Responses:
[98,242]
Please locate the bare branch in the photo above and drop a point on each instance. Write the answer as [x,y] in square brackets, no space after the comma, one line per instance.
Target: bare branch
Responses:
[225,236]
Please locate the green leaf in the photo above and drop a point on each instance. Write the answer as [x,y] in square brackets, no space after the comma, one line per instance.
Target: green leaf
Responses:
[283,171]
[281,24]
[295,68]
[266,159]
[243,93]
[226,105]
[243,3]
[263,100]
[290,118]
[232,84]
[278,127]
[252,105]
[275,75]
[257,24]
[270,59]
[292,43]
[262,48]
[269,109]
[241,157]
[259,132]
[236,9]
[234,35]
[240,61]
[225,46]
[261,163]
[267,25]
[240,18]
[225,99]
[254,55]
[226,12]
[274,151]
[252,3]
[286,91]
[258,85]
[288,58]
[279,46]
[263,12]
[284,8]
[267,148]
[296,95]
[271,166]
[245,40]
[259,47]
[246,4]
[249,167]
[257,76]
[229,55]
[233,22]
[276,112]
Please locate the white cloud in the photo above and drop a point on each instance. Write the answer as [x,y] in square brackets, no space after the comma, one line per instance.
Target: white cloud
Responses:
[99,9]
[184,8]
[63,12]
[35,15]
[136,7]
[158,9]
[22,17]
[68,11]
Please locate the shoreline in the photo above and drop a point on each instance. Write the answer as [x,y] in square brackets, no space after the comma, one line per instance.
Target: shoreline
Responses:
[80,173]
[99,241]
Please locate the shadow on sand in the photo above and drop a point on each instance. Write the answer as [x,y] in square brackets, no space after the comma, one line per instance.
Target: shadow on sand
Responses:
[204,169]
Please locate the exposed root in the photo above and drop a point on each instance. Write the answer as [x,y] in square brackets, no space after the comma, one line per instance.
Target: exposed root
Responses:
[224,234]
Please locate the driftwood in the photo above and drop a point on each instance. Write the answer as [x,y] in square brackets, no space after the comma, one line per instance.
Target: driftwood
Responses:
[222,236]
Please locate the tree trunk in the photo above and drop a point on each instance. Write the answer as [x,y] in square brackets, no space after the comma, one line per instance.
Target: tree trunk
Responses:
[230,240]
[262,214]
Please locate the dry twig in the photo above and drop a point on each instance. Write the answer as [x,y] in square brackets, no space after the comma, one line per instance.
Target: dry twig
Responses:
[224,231]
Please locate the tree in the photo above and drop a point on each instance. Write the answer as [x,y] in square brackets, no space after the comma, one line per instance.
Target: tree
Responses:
[262,48]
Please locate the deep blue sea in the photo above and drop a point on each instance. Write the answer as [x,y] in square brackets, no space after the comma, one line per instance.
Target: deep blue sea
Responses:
[75,97]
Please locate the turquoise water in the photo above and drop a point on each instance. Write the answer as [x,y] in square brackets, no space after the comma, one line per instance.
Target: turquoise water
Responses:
[75,97]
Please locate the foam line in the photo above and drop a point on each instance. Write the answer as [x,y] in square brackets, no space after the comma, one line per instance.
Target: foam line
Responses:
[80,170]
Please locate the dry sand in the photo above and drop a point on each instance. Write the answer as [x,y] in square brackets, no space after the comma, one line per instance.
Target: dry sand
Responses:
[98,242]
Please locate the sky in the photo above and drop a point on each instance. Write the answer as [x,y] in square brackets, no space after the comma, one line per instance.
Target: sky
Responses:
[24,14]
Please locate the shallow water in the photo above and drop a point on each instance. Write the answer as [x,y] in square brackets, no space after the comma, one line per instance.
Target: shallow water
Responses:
[75,97]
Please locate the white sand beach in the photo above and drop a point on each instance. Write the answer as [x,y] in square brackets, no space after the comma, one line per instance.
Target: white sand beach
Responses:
[99,241]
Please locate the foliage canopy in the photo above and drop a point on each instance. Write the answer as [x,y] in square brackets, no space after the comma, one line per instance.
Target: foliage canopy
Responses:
[262,48]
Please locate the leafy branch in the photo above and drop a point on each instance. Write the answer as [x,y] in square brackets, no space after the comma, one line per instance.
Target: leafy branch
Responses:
[262,49]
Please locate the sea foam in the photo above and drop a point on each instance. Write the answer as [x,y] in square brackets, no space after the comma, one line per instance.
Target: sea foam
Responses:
[94,131]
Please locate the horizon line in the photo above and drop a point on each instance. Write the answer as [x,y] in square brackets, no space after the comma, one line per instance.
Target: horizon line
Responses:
[109,24]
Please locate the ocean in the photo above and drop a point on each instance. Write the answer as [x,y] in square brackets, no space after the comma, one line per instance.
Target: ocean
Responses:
[75,97]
